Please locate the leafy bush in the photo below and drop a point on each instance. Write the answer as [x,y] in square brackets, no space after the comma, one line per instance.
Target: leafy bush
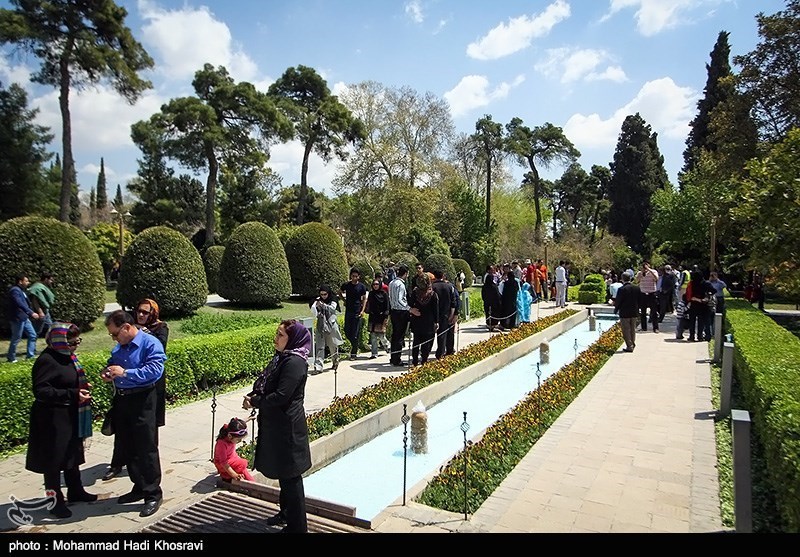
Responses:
[367,267]
[105,237]
[592,290]
[462,265]
[441,262]
[316,256]
[32,245]
[254,267]
[212,261]
[211,323]
[423,239]
[163,265]
[405,258]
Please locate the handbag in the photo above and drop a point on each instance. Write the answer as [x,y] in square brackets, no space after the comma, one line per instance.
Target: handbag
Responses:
[108,422]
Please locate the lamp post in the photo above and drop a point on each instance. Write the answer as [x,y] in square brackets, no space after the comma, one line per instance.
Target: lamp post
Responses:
[119,215]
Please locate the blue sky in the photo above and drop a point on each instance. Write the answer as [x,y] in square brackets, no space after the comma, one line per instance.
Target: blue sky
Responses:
[582,65]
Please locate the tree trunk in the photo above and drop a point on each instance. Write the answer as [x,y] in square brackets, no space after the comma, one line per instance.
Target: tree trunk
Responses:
[211,194]
[537,194]
[68,165]
[488,194]
[303,195]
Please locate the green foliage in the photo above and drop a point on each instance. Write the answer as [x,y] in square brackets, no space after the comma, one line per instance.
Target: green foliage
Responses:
[163,265]
[316,256]
[592,290]
[367,268]
[105,237]
[210,323]
[461,265]
[254,271]
[767,365]
[423,239]
[443,263]
[405,258]
[212,261]
[33,245]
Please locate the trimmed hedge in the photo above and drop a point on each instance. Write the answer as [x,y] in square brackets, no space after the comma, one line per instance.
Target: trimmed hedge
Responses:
[163,265]
[462,265]
[592,290]
[254,269]
[405,258]
[212,261]
[441,262]
[316,256]
[767,364]
[32,245]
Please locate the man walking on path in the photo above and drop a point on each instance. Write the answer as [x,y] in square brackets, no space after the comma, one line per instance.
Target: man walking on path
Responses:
[626,305]
[42,300]
[648,285]
[561,285]
[20,315]
[355,302]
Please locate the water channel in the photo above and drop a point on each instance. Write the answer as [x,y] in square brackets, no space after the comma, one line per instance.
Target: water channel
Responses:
[370,478]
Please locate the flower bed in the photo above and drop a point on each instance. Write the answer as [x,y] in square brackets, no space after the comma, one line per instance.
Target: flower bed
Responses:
[509,439]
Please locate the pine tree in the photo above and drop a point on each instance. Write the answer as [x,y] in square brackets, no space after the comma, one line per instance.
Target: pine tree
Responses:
[715,93]
[118,199]
[637,173]
[102,195]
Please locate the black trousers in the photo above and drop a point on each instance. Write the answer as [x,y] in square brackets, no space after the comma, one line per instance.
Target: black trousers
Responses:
[450,344]
[136,430]
[422,344]
[72,478]
[648,301]
[441,337]
[400,319]
[352,328]
[293,504]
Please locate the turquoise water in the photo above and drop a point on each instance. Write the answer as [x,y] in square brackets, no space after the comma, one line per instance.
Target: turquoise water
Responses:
[370,478]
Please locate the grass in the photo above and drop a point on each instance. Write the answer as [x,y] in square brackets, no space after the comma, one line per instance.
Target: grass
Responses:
[97,338]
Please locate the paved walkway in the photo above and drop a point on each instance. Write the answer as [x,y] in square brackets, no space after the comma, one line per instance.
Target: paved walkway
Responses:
[634,452]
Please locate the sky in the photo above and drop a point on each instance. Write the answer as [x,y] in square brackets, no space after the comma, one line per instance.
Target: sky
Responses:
[582,65]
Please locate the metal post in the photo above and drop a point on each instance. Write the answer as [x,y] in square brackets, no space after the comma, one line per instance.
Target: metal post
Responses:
[742,477]
[335,381]
[308,323]
[213,420]
[465,428]
[717,337]
[725,382]
[405,419]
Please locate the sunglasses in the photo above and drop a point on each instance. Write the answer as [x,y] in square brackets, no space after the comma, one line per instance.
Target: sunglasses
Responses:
[240,433]
[75,342]
[142,312]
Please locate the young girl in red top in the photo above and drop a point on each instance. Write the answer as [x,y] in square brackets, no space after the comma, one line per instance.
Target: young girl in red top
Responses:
[229,464]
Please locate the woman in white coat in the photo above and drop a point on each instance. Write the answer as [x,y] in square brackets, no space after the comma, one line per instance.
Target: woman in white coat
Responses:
[326,327]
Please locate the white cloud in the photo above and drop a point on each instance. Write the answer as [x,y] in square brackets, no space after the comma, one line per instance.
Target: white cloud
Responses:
[518,33]
[184,39]
[286,159]
[9,74]
[654,16]
[101,118]
[95,169]
[414,11]
[578,64]
[473,91]
[665,106]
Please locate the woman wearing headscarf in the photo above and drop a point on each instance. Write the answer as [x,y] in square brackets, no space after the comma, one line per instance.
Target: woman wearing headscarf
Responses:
[424,314]
[378,311]
[282,449]
[698,294]
[60,417]
[147,315]
[508,297]
[490,295]
[524,301]
[326,327]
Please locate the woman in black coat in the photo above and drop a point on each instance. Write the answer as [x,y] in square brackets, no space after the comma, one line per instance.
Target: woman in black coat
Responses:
[424,315]
[490,295]
[60,418]
[282,449]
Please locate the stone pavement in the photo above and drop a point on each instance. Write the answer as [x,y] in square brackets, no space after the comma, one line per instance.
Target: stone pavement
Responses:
[635,452]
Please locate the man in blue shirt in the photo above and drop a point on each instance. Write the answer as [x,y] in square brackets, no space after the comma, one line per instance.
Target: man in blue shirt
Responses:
[135,365]
[20,315]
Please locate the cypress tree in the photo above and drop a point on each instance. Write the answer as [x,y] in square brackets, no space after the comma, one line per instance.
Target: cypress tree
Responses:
[637,172]
[118,199]
[102,195]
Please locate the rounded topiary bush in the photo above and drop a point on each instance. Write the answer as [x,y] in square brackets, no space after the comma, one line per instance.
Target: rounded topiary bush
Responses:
[462,265]
[316,256]
[32,245]
[254,268]
[405,258]
[441,262]
[163,265]
[592,290]
[367,267]
[212,260]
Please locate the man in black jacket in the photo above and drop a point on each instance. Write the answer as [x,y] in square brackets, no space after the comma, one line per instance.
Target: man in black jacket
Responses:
[626,305]
[446,310]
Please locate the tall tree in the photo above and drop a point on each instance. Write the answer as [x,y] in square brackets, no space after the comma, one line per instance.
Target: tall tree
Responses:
[119,203]
[714,94]
[22,154]
[545,146]
[637,173]
[80,43]
[225,122]
[602,174]
[771,72]
[247,195]
[490,150]
[101,192]
[321,123]
[92,207]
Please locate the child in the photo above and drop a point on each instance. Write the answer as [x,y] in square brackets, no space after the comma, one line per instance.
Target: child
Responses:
[229,464]
[682,315]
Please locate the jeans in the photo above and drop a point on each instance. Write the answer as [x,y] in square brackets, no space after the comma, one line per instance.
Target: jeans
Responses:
[378,340]
[44,324]
[17,328]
